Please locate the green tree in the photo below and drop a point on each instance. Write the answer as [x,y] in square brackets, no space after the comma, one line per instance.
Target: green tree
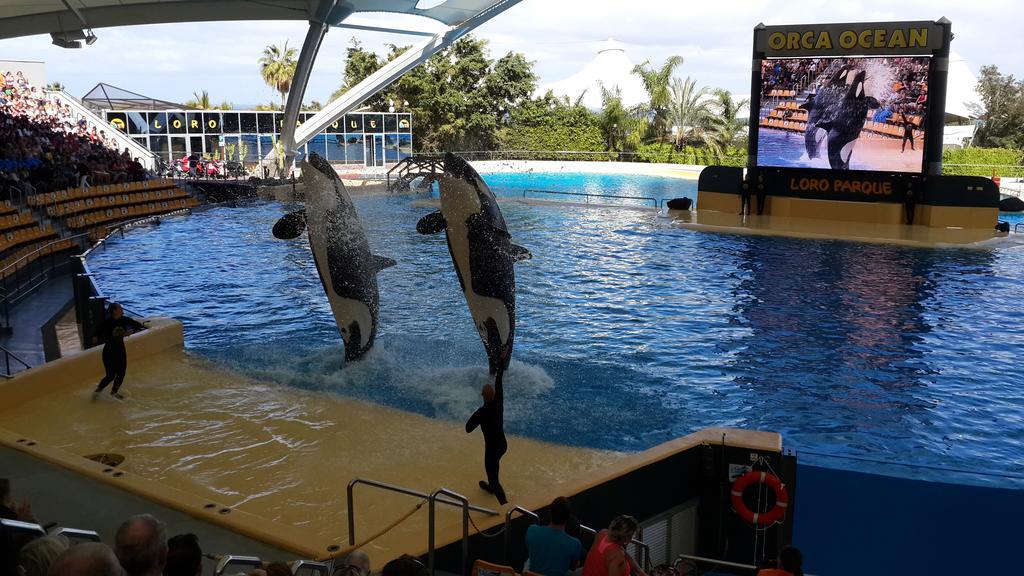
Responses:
[55,86]
[277,67]
[691,114]
[226,105]
[1001,114]
[730,121]
[657,83]
[510,83]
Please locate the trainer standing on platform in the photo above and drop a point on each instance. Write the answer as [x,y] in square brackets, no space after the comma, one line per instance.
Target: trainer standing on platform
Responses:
[115,358]
[491,419]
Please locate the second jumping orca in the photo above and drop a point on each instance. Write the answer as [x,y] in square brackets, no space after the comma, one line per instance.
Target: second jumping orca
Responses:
[483,255]
[347,268]
[840,109]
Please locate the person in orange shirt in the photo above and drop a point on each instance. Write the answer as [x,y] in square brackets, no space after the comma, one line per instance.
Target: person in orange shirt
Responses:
[790,564]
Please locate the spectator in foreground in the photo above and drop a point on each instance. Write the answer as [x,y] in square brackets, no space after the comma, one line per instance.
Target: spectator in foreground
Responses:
[791,563]
[404,565]
[608,556]
[184,556]
[277,569]
[37,556]
[360,561]
[141,546]
[115,358]
[88,559]
[552,552]
[11,510]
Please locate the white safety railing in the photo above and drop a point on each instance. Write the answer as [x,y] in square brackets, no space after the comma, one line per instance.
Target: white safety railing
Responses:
[122,140]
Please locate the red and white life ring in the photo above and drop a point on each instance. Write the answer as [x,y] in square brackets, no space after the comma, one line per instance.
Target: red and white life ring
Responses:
[776,514]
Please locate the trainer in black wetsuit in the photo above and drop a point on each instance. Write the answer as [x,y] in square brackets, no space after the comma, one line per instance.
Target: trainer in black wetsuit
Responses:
[115,359]
[491,419]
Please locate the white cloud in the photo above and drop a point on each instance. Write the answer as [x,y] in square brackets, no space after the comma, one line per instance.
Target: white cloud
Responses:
[172,61]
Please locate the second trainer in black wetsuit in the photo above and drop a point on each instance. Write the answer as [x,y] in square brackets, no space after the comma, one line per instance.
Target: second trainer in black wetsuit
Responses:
[491,419]
[115,358]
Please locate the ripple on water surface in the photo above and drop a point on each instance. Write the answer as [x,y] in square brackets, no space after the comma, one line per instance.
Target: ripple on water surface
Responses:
[631,331]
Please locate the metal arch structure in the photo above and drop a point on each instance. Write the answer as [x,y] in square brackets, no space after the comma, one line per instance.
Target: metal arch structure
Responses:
[332,13]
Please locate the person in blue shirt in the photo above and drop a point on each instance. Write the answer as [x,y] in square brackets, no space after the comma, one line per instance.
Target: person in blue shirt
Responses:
[552,552]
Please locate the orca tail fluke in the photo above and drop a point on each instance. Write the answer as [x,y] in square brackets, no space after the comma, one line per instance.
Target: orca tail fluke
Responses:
[290,225]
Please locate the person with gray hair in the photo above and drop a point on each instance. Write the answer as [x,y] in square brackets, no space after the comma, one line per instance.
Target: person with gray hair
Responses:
[608,556]
[141,545]
[360,561]
[37,556]
[87,559]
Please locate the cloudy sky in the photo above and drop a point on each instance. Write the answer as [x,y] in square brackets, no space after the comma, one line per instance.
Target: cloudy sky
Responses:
[560,36]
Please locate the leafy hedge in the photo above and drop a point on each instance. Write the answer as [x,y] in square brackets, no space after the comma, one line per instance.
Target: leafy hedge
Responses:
[1006,162]
[666,153]
[586,138]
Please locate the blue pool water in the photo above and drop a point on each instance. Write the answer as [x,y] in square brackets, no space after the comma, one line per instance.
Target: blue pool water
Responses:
[631,330]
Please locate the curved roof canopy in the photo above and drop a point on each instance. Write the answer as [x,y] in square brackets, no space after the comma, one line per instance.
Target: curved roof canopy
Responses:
[29,17]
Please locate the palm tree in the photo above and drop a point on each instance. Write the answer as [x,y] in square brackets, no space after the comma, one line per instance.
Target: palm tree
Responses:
[277,66]
[200,100]
[730,122]
[615,119]
[656,82]
[55,86]
[692,114]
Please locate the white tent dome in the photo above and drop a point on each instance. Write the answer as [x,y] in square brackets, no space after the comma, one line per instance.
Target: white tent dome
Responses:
[961,88]
[610,68]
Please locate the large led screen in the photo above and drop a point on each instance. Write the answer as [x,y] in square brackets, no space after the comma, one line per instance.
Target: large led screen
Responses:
[843,113]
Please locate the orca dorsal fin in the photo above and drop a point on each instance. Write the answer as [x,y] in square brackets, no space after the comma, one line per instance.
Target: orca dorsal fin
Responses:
[290,225]
[431,223]
[381,262]
[518,253]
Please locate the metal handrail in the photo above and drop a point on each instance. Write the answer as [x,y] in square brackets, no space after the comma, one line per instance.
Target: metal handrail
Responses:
[508,525]
[717,562]
[43,247]
[7,362]
[643,547]
[588,195]
[393,488]
[430,527]
[26,286]
[1017,227]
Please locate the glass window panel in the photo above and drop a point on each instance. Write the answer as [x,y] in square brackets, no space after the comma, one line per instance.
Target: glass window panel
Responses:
[196,145]
[266,122]
[404,145]
[178,147]
[248,148]
[158,144]
[353,123]
[212,145]
[231,151]
[405,122]
[247,123]
[194,121]
[229,122]
[391,123]
[300,154]
[318,145]
[138,123]
[157,123]
[266,145]
[278,122]
[336,127]
[391,148]
[118,120]
[373,123]
[336,148]
[354,149]
[211,123]
[176,122]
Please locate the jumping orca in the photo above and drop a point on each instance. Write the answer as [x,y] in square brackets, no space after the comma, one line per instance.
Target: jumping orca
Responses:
[840,109]
[482,253]
[347,269]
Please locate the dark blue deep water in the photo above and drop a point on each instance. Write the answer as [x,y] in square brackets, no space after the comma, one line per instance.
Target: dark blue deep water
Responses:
[631,330]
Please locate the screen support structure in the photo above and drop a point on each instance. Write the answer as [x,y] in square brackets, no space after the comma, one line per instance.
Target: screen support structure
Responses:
[938,76]
[332,13]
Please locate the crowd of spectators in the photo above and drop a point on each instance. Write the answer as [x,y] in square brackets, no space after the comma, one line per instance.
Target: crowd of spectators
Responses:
[141,547]
[792,74]
[43,147]
[909,91]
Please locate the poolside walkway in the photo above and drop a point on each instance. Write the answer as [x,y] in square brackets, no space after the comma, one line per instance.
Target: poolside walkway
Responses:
[30,315]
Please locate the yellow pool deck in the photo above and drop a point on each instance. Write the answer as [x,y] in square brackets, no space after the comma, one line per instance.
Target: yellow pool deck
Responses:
[819,229]
[272,462]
